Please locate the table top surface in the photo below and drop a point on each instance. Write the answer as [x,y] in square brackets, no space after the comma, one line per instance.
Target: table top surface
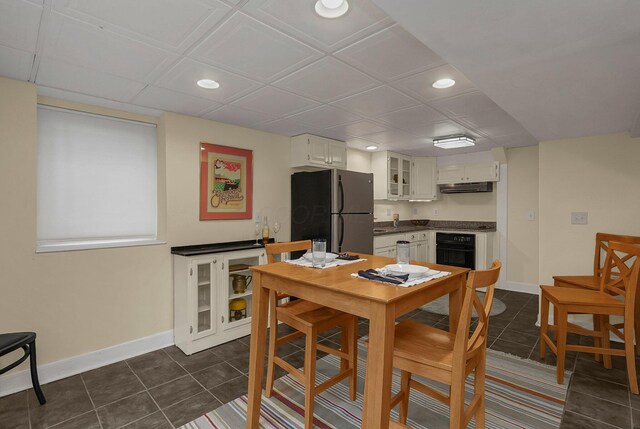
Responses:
[339,279]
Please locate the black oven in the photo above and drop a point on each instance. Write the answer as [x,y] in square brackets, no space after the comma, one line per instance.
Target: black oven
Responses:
[456,249]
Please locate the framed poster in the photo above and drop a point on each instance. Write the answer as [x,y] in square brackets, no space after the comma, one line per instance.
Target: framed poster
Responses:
[226,182]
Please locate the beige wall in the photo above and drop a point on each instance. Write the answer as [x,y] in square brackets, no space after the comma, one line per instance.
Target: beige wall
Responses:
[84,301]
[522,197]
[598,175]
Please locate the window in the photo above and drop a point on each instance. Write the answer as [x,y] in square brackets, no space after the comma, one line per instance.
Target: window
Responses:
[96,181]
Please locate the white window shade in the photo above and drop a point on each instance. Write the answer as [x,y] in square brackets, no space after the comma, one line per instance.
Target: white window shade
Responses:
[97,181]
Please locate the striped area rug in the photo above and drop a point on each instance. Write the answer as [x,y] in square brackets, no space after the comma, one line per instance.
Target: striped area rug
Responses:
[519,394]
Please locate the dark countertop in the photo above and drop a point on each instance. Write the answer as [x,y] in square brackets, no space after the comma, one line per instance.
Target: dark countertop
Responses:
[203,249]
[386,228]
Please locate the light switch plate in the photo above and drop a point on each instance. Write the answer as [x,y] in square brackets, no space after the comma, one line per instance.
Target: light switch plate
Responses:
[531,215]
[435,212]
[415,211]
[579,218]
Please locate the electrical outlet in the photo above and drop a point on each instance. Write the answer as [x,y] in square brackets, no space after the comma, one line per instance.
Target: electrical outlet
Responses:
[435,212]
[258,217]
[415,210]
[579,218]
[531,215]
[388,212]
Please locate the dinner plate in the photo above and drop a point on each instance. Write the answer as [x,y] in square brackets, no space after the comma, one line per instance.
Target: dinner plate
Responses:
[330,256]
[414,271]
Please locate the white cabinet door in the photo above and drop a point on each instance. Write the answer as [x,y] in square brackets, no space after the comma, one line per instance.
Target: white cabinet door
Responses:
[423,179]
[317,151]
[405,166]
[202,297]
[482,172]
[413,252]
[337,154]
[451,174]
[422,248]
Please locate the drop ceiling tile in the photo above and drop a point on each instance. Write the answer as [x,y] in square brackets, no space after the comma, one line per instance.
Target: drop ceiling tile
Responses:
[299,19]
[390,54]
[493,123]
[420,84]
[355,129]
[394,137]
[324,117]
[15,64]
[171,24]
[94,48]
[184,75]
[413,119]
[376,102]
[237,116]
[465,104]
[275,102]
[515,140]
[327,80]
[361,144]
[286,127]
[444,128]
[58,74]
[19,24]
[172,101]
[246,46]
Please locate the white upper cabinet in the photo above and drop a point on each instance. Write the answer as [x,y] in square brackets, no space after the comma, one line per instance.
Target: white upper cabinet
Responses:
[423,180]
[391,176]
[313,151]
[477,172]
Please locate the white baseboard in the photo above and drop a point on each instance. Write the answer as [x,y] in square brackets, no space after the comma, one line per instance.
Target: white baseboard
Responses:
[21,380]
[530,288]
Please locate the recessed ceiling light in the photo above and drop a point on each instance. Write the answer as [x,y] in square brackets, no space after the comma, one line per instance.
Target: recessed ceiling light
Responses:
[452,142]
[443,83]
[208,84]
[331,8]
[371,147]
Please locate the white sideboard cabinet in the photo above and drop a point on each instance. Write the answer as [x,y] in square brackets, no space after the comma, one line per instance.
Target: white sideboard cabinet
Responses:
[212,294]
[308,150]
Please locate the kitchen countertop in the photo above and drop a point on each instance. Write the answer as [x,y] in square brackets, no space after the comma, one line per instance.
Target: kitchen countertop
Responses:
[203,249]
[386,228]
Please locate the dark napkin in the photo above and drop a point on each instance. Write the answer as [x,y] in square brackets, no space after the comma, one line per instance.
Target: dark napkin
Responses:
[372,274]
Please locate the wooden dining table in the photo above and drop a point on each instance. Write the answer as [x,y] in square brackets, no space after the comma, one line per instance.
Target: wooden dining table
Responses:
[381,303]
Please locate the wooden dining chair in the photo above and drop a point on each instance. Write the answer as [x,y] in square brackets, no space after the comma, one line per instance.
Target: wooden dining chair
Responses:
[446,357]
[618,280]
[592,282]
[309,319]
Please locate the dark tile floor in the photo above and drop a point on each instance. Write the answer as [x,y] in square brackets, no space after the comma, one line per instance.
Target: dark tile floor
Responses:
[165,388]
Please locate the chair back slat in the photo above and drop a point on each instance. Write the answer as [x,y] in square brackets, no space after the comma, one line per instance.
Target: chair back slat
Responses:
[273,249]
[465,343]
[602,247]
[624,280]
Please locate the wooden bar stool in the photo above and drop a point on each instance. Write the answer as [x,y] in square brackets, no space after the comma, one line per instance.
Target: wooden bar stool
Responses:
[27,342]
[309,319]
[618,280]
[448,358]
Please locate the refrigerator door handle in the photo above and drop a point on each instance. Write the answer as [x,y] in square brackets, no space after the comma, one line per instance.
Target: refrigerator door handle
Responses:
[341,226]
[341,191]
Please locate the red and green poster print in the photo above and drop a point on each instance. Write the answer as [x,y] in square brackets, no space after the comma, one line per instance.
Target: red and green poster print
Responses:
[225,182]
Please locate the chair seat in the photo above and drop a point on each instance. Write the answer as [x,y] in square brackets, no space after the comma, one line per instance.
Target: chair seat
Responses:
[570,296]
[15,340]
[587,282]
[309,313]
[424,344]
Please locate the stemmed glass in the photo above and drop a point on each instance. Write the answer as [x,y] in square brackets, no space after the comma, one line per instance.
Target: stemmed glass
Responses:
[257,231]
[276,228]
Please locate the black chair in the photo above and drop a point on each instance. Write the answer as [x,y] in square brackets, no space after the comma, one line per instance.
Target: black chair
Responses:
[26,341]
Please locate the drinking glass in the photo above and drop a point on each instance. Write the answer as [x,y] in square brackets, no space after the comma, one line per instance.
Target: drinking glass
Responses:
[276,228]
[258,232]
[319,250]
[402,252]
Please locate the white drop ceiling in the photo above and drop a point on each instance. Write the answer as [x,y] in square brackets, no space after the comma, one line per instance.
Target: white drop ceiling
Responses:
[361,78]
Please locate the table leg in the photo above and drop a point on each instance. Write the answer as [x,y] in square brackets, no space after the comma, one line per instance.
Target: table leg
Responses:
[259,321]
[455,303]
[377,388]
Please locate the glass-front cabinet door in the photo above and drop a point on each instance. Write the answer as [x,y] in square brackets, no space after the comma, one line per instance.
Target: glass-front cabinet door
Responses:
[394,177]
[203,274]
[237,287]
[406,178]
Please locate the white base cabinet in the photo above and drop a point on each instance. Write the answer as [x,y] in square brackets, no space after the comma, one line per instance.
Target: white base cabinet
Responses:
[207,309]
[385,245]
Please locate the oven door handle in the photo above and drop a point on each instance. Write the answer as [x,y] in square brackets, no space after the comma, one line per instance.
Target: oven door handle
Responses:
[455,249]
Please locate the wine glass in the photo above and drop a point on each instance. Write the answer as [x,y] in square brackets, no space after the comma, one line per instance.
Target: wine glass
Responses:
[257,231]
[276,228]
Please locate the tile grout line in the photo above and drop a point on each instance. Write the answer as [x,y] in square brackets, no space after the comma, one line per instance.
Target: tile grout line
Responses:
[147,391]
[91,399]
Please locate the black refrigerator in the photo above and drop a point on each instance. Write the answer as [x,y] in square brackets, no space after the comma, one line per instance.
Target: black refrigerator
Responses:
[336,205]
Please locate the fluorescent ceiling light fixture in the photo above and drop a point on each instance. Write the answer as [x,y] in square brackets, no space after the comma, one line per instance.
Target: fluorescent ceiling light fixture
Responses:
[443,83]
[452,142]
[208,84]
[371,147]
[331,8]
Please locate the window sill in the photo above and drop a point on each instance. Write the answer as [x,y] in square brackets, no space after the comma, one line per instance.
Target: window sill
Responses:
[69,246]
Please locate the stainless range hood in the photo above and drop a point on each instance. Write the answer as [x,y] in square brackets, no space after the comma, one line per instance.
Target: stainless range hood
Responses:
[465,188]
